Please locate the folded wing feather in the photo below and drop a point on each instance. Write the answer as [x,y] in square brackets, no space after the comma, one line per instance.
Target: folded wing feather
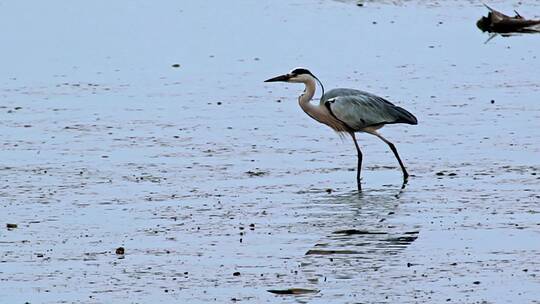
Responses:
[359,109]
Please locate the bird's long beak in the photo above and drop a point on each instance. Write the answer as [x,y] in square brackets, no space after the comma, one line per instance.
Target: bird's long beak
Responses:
[284,78]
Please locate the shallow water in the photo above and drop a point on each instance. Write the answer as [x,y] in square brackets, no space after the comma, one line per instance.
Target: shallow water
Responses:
[199,173]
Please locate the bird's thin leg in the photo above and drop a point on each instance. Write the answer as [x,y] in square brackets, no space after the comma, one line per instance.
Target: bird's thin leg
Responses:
[358,183]
[393,148]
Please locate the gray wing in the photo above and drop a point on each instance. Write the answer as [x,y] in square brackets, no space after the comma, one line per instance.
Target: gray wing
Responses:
[359,109]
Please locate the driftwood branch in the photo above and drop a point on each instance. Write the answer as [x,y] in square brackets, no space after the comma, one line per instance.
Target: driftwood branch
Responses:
[497,22]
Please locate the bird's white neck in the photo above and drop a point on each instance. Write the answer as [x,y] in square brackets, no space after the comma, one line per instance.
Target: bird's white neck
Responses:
[305,98]
[318,112]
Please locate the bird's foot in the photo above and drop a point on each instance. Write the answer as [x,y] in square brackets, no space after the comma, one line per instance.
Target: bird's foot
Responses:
[405,177]
[405,181]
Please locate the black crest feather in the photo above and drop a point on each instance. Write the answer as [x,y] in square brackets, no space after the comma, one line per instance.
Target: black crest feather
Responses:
[300,71]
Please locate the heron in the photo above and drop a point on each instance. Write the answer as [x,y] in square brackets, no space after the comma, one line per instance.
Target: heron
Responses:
[349,111]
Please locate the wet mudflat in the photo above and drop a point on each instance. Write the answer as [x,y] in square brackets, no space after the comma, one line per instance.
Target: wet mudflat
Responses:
[219,188]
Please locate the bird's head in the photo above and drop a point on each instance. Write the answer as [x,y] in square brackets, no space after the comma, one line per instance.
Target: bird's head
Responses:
[298,75]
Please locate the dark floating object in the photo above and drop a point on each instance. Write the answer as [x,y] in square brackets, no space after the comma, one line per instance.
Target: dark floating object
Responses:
[330,252]
[356,231]
[11,226]
[256,173]
[497,22]
[403,240]
[120,250]
[176,65]
[293,291]
[412,232]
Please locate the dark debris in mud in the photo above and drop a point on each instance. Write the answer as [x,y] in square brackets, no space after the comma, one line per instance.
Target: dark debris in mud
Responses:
[292,291]
[330,252]
[10,226]
[497,22]
[256,173]
[402,240]
[446,173]
[356,231]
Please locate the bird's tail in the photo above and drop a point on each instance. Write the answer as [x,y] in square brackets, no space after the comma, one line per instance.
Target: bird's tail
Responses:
[405,116]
